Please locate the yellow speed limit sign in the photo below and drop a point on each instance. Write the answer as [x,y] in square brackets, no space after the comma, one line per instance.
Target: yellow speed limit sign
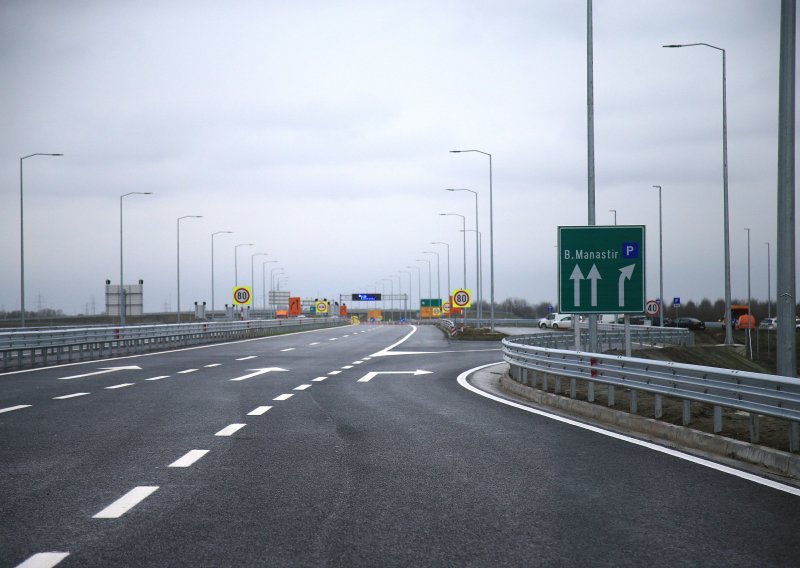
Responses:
[242,295]
[322,307]
[462,298]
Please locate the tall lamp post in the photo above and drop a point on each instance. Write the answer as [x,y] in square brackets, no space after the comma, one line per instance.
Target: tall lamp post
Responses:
[491,234]
[660,259]
[409,288]
[449,290]
[419,286]
[728,323]
[749,309]
[212,266]
[236,261]
[178,224]
[272,272]
[22,238]
[438,272]
[478,266]
[253,275]
[430,288]
[264,282]
[391,291]
[480,269]
[769,285]
[121,279]
[614,211]
[464,234]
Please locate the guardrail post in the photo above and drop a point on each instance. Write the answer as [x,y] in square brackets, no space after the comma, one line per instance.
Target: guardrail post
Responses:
[634,401]
[687,412]
[611,393]
[659,406]
[754,433]
[573,384]
[717,419]
[557,388]
[794,437]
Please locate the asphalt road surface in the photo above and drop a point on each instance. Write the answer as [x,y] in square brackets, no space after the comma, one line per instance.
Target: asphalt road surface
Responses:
[353,446]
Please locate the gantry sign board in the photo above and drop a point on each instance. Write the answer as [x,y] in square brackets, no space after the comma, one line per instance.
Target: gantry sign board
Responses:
[601,270]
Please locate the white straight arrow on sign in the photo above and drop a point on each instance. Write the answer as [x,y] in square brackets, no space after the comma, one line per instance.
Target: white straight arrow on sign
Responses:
[102,372]
[577,276]
[626,273]
[257,372]
[594,276]
[369,376]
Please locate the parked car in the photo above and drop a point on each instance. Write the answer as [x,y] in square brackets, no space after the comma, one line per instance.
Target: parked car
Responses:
[768,323]
[547,321]
[689,323]
[563,321]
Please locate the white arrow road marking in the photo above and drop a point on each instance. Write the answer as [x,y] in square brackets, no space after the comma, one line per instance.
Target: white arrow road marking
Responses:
[369,376]
[626,273]
[103,371]
[44,560]
[257,372]
[18,407]
[594,276]
[126,502]
[577,276]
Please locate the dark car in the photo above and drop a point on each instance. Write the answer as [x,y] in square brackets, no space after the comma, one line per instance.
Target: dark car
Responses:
[689,323]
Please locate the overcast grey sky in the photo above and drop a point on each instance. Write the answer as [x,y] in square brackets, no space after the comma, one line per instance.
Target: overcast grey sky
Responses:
[320,132]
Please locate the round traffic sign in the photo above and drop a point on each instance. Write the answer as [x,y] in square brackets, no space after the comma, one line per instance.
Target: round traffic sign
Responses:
[461,299]
[446,307]
[241,296]
[652,308]
[322,307]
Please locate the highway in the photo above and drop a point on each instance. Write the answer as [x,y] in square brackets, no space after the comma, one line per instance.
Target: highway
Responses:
[351,446]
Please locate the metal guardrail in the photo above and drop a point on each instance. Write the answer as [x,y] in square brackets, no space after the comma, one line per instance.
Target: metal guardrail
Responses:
[29,348]
[533,361]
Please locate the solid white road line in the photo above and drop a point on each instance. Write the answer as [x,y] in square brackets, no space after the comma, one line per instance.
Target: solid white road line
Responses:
[44,560]
[120,386]
[66,396]
[186,371]
[10,408]
[283,397]
[462,380]
[230,430]
[334,372]
[126,502]
[302,387]
[190,457]
[212,365]
[288,349]
[157,378]
[318,379]
[246,358]
[259,411]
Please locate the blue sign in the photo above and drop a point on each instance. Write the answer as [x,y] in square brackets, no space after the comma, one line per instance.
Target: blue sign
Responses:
[549,308]
[630,250]
[366,297]
[676,301]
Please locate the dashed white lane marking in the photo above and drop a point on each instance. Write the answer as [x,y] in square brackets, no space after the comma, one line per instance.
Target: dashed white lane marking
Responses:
[333,339]
[44,560]
[120,386]
[246,358]
[288,349]
[10,408]
[66,396]
[212,365]
[230,429]
[348,335]
[318,379]
[334,372]
[283,397]
[357,362]
[315,343]
[367,358]
[126,502]
[347,367]
[302,387]
[190,457]
[259,411]
[157,378]
[186,371]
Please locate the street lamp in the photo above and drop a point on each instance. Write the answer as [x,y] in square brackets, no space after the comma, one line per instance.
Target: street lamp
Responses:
[491,234]
[449,290]
[409,288]
[478,266]
[769,285]
[178,223]
[749,309]
[391,291]
[236,261]
[480,269]
[22,238]
[253,276]
[464,229]
[272,272]
[438,272]
[660,259]
[419,286]
[728,323]
[614,211]
[264,282]
[212,266]
[400,292]
[121,279]
[430,291]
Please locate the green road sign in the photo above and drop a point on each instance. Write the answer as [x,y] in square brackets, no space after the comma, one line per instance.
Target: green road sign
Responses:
[431,303]
[601,270]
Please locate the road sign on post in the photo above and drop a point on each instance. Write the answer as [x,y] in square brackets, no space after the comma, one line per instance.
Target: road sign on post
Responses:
[242,295]
[601,270]
[652,308]
[462,298]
